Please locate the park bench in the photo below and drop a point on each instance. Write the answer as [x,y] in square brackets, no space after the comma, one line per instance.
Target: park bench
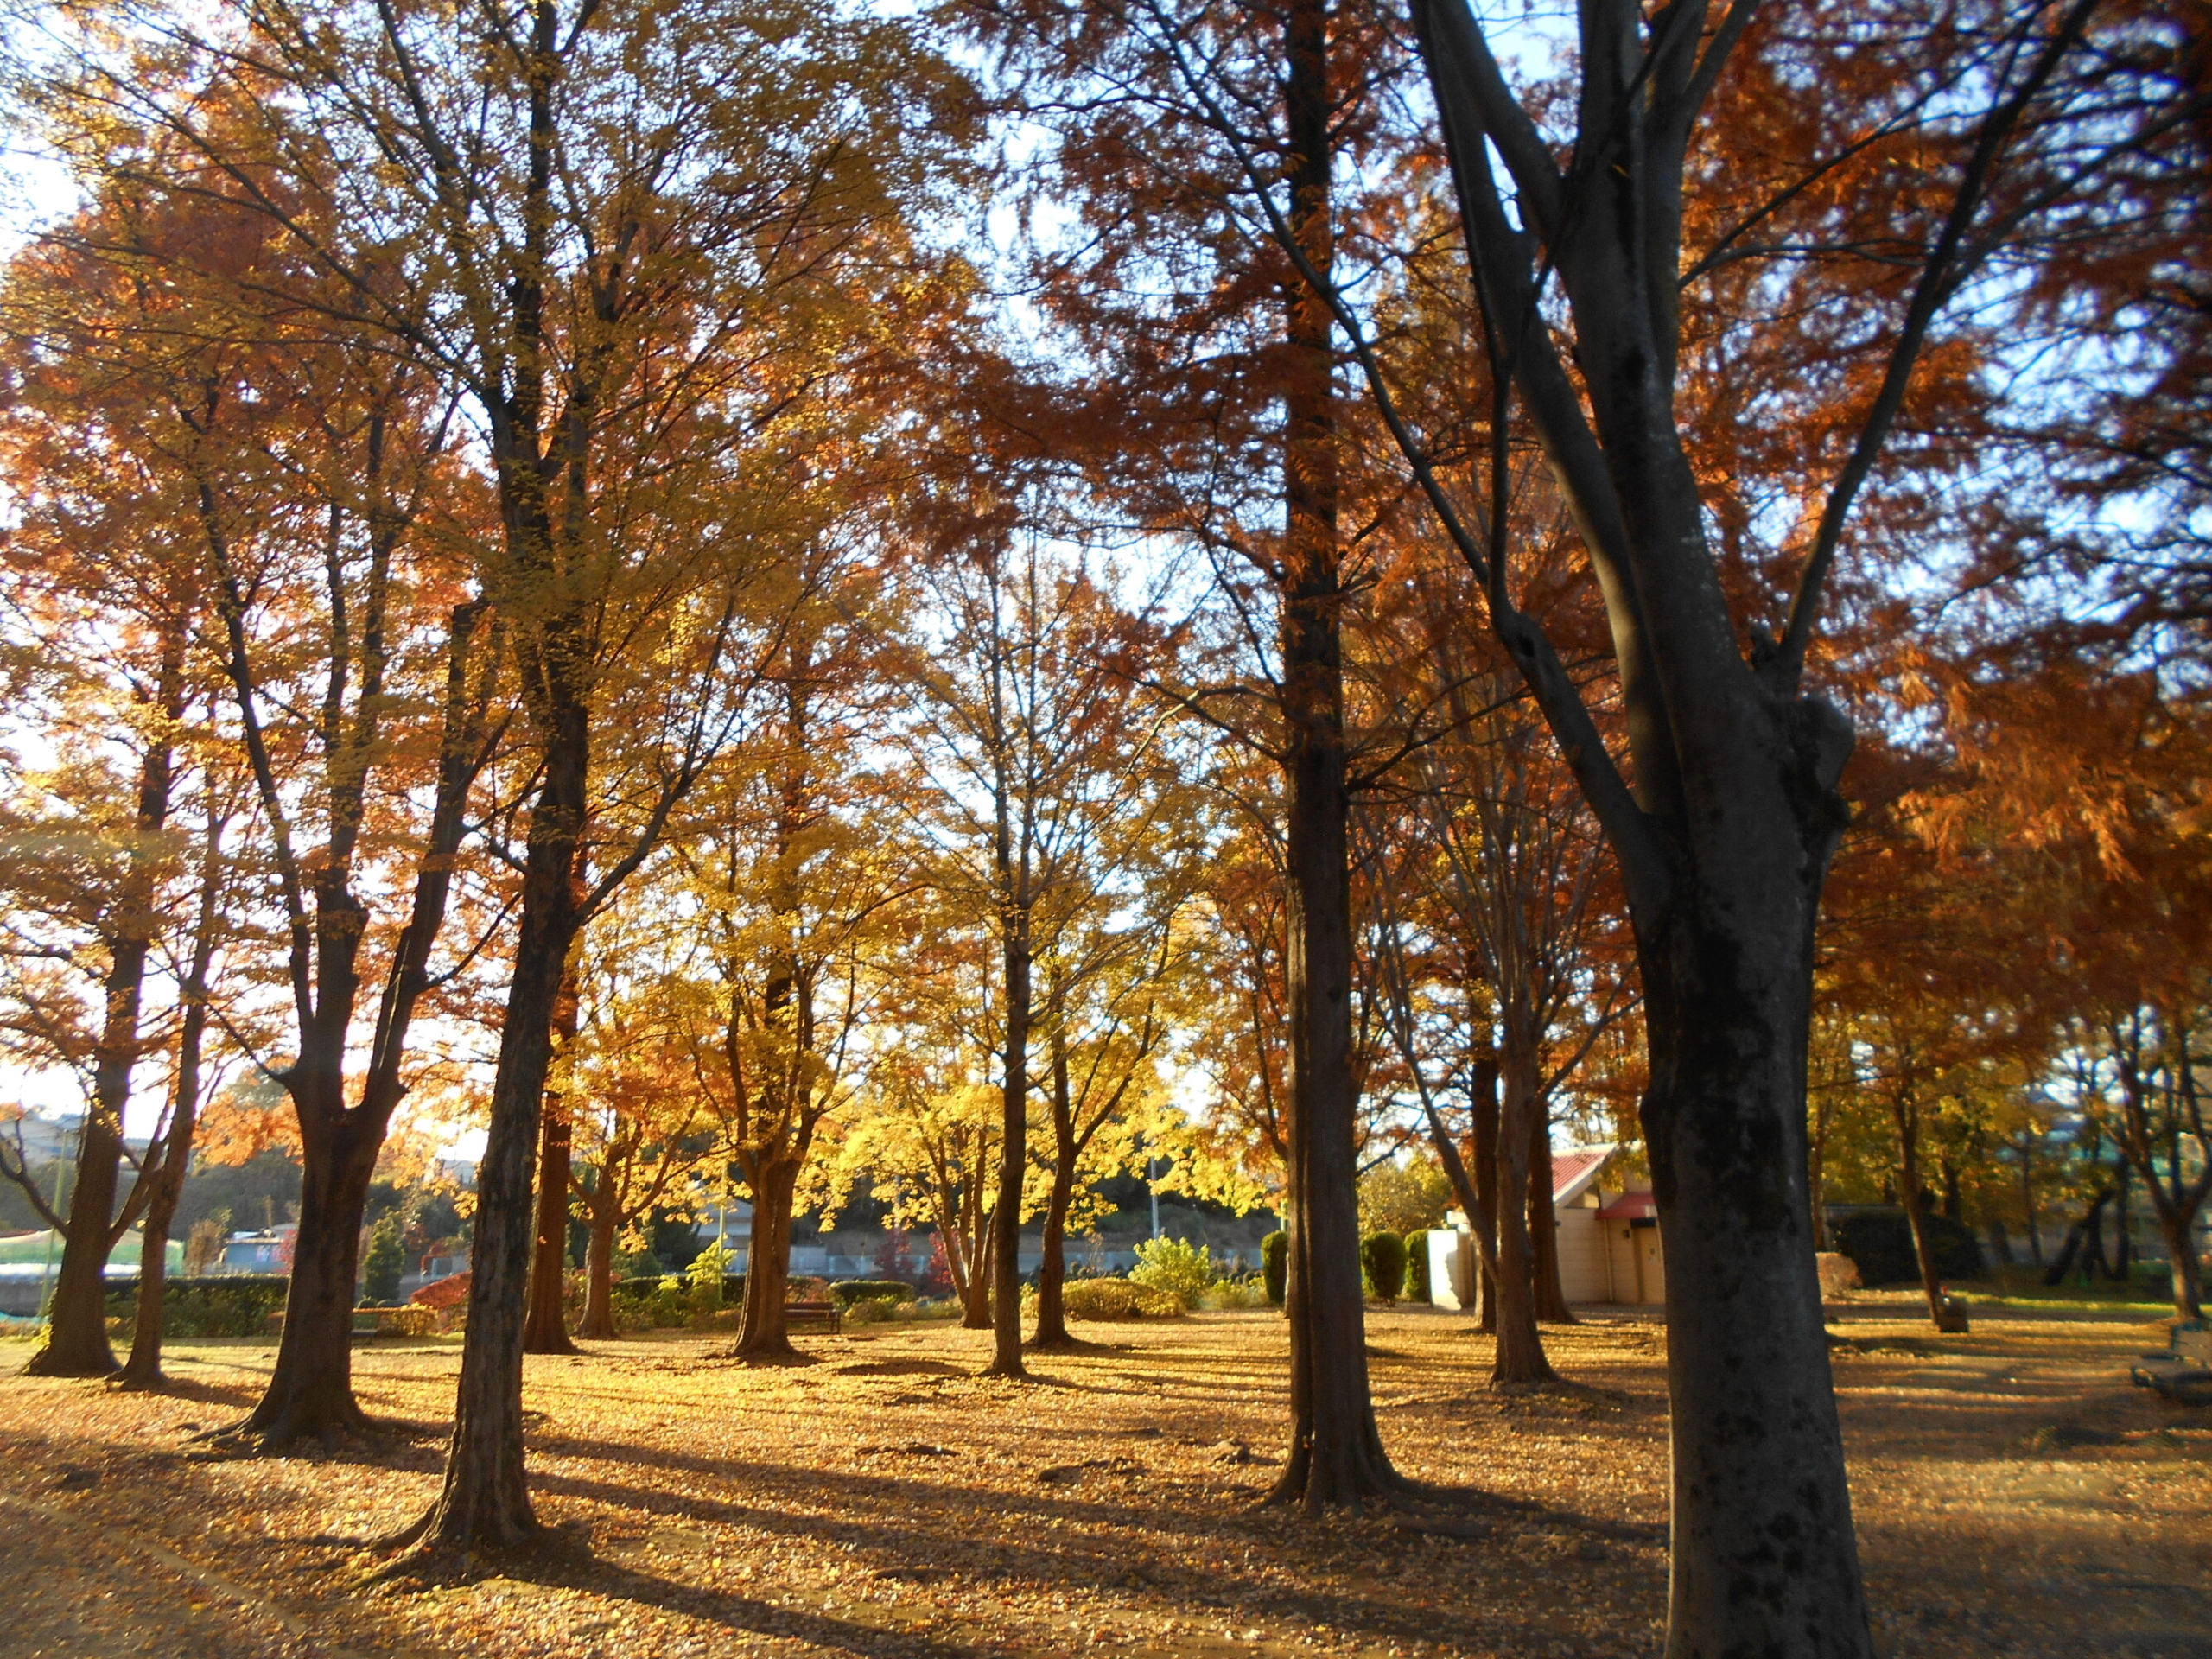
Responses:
[2183,1370]
[828,1315]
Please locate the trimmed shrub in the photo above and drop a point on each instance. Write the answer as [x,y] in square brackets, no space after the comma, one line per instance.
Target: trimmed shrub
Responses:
[871,1310]
[1383,1264]
[409,1320]
[642,1286]
[1119,1299]
[213,1305]
[1181,1269]
[1880,1242]
[846,1292]
[1275,1265]
[1417,1266]
[1227,1293]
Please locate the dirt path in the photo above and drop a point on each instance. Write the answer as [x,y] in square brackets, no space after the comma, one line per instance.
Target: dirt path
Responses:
[2015,1498]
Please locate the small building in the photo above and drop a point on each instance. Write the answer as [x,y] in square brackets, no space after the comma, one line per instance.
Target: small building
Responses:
[1608,1239]
[267,1251]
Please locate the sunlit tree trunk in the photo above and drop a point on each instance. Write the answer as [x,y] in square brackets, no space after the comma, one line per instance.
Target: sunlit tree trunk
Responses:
[76,1341]
[545,1326]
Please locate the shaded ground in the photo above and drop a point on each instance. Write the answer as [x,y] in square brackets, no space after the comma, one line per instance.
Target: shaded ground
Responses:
[2014,1496]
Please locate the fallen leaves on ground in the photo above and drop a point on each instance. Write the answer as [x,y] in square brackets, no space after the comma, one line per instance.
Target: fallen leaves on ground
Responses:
[2013,1495]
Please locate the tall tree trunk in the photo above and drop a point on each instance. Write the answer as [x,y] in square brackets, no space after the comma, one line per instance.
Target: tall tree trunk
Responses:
[764,1335]
[2123,1254]
[545,1329]
[1907,1116]
[76,1341]
[1543,1220]
[1520,1357]
[310,1388]
[1336,1453]
[598,1322]
[143,1368]
[977,1237]
[1485,1109]
[2028,1205]
[1014,1159]
[1725,1122]
[1051,1266]
[485,1502]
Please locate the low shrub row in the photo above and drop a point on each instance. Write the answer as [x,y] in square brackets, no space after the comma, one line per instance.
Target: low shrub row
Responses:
[846,1292]
[1119,1299]
[215,1305]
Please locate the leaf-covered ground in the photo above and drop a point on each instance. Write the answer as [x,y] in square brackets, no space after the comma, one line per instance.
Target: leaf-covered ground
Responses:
[2014,1496]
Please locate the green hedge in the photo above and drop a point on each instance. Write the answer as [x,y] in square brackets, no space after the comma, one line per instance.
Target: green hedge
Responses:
[1417,1266]
[1274,1265]
[645,1284]
[846,1292]
[1383,1264]
[213,1305]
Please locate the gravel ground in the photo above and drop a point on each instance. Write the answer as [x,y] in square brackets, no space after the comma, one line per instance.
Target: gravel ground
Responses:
[2014,1497]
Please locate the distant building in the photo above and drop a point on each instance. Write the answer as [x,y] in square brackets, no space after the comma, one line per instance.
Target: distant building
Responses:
[1609,1246]
[267,1251]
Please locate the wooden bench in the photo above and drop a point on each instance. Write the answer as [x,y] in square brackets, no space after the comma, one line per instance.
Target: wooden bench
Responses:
[2182,1371]
[827,1315]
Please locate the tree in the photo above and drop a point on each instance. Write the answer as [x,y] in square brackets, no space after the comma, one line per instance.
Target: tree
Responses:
[800,891]
[1046,786]
[627,240]
[642,1128]
[166,1171]
[1723,824]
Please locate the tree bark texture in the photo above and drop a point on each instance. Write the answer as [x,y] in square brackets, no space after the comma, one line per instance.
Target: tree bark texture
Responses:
[598,1322]
[143,1368]
[1723,823]
[1543,1220]
[1336,1454]
[545,1329]
[1052,1264]
[484,1503]
[311,1389]
[763,1334]
[1485,1110]
[76,1341]
[1520,1357]
[1013,1156]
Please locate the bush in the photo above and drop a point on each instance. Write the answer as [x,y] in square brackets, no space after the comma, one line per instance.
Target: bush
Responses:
[1119,1299]
[846,1292]
[1417,1266]
[1175,1266]
[1227,1293]
[447,1295]
[640,1287]
[872,1310]
[213,1305]
[382,1263]
[1880,1242]
[409,1321]
[1275,1265]
[707,1277]
[1383,1264]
